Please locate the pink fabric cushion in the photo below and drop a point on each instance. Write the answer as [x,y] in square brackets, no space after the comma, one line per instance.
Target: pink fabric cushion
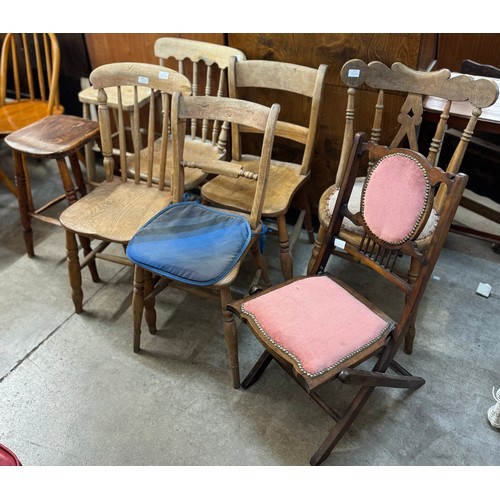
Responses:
[316,322]
[354,207]
[395,198]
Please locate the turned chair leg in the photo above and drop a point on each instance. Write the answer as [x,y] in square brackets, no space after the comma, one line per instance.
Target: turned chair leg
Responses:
[23,200]
[318,242]
[231,337]
[285,253]
[149,302]
[138,305]
[74,271]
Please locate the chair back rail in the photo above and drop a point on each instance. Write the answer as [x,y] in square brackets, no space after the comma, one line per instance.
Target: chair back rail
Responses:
[225,110]
[206,65]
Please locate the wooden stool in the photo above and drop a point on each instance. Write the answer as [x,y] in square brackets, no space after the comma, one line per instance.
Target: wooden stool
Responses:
[59,137]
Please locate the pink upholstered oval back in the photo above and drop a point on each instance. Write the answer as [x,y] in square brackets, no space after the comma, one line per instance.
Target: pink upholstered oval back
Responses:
[395,198]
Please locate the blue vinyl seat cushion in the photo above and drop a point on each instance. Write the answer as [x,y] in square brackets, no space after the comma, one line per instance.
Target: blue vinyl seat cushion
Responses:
[191,243]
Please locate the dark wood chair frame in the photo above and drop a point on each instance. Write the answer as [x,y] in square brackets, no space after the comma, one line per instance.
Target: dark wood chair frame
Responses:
[370,254]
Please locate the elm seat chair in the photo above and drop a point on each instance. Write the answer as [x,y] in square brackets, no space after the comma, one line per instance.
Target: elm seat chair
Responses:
[414,87]
[29,84]
[193,246]
[318,328]
[287,178]
[113,211]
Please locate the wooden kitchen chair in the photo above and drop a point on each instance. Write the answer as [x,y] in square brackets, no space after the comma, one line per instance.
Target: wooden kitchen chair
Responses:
[29,85]
[193,246]
[412,88]
[288,176]
[117,208]
[318,328]
[205,64]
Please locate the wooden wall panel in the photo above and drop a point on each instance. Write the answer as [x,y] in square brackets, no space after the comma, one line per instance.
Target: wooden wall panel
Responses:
[480,47]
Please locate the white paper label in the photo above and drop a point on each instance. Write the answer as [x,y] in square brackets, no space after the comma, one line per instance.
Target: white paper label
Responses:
[353,73]
[143,79]
[339,243]
[163,75]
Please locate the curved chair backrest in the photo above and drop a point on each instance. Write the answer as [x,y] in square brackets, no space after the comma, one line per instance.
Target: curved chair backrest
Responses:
[286,77]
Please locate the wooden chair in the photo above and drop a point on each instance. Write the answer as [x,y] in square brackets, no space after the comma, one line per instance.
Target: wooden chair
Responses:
[205,64]
[116,209]
[287,178]
[29,79]
[318,328]
[412,87]
[192,246]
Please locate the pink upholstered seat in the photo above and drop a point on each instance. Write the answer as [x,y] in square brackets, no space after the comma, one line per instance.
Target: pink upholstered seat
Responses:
[316,322]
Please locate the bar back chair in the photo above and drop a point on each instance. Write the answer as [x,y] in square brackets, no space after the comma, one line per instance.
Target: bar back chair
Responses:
[29,84]
[195,247]
[287,178]
[415,87]
[318,328]
[117,208]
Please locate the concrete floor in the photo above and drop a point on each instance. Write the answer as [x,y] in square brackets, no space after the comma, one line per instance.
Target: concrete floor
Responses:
[73,393]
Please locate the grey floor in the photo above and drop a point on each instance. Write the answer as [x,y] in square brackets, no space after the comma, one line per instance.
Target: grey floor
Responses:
[73,393]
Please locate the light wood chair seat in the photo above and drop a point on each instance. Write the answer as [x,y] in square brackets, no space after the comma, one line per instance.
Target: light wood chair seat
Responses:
[284,178]
[115,211]
[89,96]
